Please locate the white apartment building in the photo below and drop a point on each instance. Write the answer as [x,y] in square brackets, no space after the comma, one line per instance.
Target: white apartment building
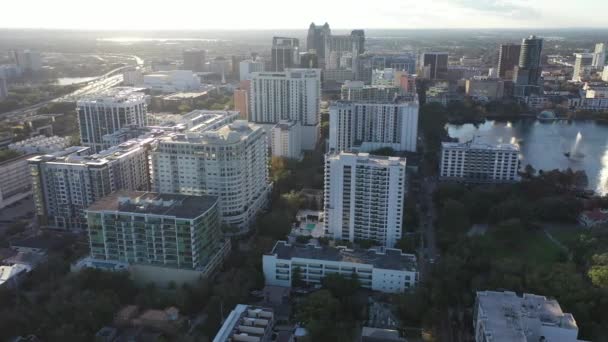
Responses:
[248,67]
[366,126]
[581,65]
[385,270]
[599,55]
[247,323]
[230,162]
[67,182]
[15,180]
[172,81]
[479,163]
[293,95]
[364,197]
[605,74]
[286,140]
[107,112]
[506,317]
[40,144]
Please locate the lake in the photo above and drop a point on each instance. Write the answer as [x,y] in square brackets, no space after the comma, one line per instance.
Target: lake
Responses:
[73,80]
[543,144]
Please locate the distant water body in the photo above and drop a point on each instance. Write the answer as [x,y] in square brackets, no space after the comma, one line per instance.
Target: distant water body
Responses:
[153,39]
[73,80]
[543,145]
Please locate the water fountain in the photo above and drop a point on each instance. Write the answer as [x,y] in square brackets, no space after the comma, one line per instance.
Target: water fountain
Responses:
[574,152]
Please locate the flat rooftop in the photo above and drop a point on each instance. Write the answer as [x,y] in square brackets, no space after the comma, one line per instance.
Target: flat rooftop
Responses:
[385,258]
[508,316]
[150,203]
[472,145]
[115,95]
[228,134]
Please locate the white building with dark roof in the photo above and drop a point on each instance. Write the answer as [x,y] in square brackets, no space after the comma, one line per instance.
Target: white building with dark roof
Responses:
[384,269]
[479,163]
[506,317]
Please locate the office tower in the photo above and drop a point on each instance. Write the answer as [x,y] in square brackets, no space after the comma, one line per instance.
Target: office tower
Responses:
[286,140]
[293,95]
[315,41]
[3,88]
[337,46]
[582,63]
[247,67]
[505,317]
[434,65]
[358,91]
[107,112]
[370,126]
[309,60]
[479,163]
[508,58]
[387,270]
[241,103]
[230,162]
[194,60]
[364,197]
[147,228]
[485,89]
[599,55]
[528,71]
[27,60]
[284,54]
[67,182]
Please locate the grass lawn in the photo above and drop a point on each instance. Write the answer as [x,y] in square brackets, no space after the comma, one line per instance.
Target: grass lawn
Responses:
[534,248]
[567,234]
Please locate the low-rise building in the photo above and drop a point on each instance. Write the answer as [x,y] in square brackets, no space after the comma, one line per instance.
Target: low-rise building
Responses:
[15,180]
[247,323]
[41,144]
[479,163]
[385,269]
[485,89]
[506,317]
[172,81]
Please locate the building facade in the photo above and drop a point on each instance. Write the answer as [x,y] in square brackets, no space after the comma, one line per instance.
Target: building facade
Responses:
[230,162]
[154,229]
[292,95]
[315,40]
[581,65]
[247,67]
[364,197]
[434,65]
[506,317]
[358,91]
[385,270]
[508,58]
[284,53]
[479,163]
[599,55]
[527,74]
[286,140]
[367,126]
[107,112]
[485,89]
[16,182]
[67,182]
[194,60]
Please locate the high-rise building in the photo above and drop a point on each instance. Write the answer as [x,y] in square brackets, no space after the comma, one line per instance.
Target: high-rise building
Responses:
[369,126]
[358,91]
[3,88]
[284,54]
[337,46]
[505,317]
[241,103]
[528,71]
[15,183]
[479,163]
[581,65]
[605,74]
[485,89]
[599,55]
[107,112]
[508,58]
[292,95]
[309,60]
[230,162]
[194,60]
[315,41]
[434,65]
[67,182]
[27,60]
[286,140]
[364,197]
[147,228]
[247,67]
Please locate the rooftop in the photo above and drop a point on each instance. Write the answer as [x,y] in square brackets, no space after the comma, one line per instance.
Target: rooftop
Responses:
[247,321]
[366,158]
[150,203]
[509,317]
[233,133]
[473,145]
[383,258]
[115,95]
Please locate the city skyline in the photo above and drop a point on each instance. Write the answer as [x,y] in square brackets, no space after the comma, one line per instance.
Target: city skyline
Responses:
[382,14]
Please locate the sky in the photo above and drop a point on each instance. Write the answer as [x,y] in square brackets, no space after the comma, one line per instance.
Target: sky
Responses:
[298,14]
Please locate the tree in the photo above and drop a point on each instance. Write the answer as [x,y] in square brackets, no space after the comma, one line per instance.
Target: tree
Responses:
[599,275]
[453,217]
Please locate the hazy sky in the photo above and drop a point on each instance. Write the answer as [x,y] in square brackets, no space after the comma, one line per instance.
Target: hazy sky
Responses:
[266,14]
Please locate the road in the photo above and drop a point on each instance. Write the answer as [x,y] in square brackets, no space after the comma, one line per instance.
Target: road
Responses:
[102,82]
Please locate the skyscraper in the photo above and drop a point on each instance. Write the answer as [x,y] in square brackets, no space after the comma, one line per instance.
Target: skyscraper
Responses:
[599,56]
[339,46]
[364,197]
[434,65]
[284,54]
[27,60]
[107,112]
[194,60]
[528,71]
[316,39]
[583,61]
[508,58]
